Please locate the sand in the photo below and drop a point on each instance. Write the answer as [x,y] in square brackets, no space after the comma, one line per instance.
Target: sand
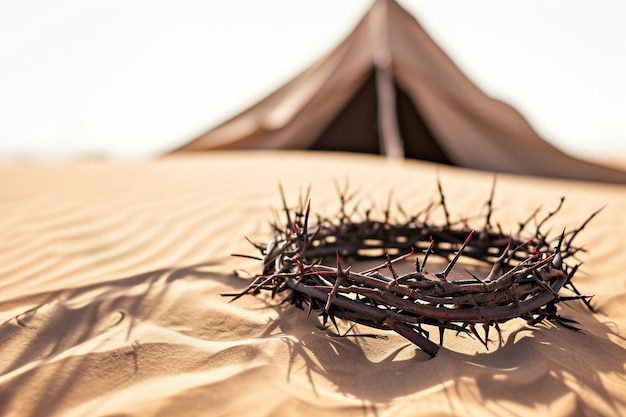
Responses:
[111,274]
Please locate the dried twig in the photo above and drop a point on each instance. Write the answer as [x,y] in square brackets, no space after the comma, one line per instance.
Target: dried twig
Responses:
[526,274]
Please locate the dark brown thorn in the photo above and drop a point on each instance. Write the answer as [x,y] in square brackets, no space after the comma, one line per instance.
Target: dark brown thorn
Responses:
[571,286]
[240,255]
[333,321]
[305,231]
[575,297]
[444,274]
[306,197]
[442,200]
[486,328]
[256,245]
[581,227]
[285,208]
[472,275]
[341,274]
[571,274]
[390,266]
[552,213]
[490,202]
[499,263]
[557,262]
[252,287]
[349,330]
[475,333]
[428,251]
[500,341]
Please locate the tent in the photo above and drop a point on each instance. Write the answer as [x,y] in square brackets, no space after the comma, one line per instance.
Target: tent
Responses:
[389,89]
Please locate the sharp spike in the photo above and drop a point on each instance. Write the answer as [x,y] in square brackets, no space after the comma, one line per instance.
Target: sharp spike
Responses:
[332,319]
[500,341]
[338,281]
[287,212]
[428,251]
[490,202]
[475,333]
[498,264]
[443,200]
[444,274]
[486,328]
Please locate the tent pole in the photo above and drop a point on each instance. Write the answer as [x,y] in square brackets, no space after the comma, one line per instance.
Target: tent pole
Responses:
[390,140]
[391,143]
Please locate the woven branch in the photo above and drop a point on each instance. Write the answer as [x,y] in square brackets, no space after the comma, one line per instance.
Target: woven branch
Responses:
[527,273]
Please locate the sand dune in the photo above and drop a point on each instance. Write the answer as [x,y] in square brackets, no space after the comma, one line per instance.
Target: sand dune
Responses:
[111,274]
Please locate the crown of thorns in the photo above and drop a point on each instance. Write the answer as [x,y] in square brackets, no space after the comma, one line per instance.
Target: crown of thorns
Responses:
[527,270]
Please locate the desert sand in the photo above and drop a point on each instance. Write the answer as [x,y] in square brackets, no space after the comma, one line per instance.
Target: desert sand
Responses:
[111,275]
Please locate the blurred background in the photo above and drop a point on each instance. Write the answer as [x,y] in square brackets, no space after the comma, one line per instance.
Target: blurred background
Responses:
[132,79]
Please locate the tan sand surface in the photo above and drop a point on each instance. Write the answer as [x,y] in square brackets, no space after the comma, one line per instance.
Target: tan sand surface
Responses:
[111,274]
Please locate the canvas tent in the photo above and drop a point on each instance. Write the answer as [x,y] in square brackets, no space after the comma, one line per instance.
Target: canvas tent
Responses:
[389,89]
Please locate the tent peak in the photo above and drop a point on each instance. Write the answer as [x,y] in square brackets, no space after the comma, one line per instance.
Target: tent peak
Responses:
[389,88]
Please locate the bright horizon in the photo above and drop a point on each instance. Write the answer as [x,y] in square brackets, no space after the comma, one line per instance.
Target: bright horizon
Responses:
[121,79]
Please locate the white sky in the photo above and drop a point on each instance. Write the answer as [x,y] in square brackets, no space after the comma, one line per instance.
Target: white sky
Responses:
[133,78]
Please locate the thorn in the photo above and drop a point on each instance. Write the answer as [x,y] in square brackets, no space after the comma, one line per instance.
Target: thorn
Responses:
[549,215]
[349,330]
[338,261]
[472,275]
[475,333]
[500,341]
[428,251]
[444,274]
[490,202]
[584,298]
[390,266]
[557,262]
[239,255]
[332,319]
[305,232]
[497,265]
[338,281]
[486,328]
[581,227]
[282,196]
[256,245]
[443,200]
